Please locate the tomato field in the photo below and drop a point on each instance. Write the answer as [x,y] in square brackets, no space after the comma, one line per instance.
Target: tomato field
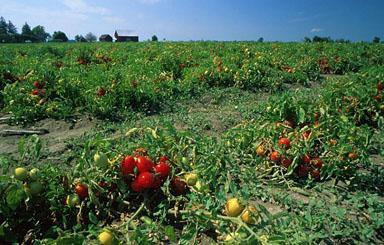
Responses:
[192,143]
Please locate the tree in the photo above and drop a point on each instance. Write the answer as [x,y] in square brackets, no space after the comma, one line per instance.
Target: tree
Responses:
[376,40]
[260,40]
[307,40]
[3,30]
[59,36]
[80,38]
[11,28]
[90,37]
[154,38]
[26,33]
[40,34]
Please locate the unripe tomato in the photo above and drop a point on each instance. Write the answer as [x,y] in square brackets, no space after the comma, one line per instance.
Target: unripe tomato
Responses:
[233,207]
[249,215]
[260,151]
[72,200]
[128,165]
[35,188]
[21,174]
[284,143]
[106,238]
[34,174]
[101,160]
[191,179]
[81,190]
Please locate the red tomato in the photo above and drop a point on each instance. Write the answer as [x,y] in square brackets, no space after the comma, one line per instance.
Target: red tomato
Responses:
[101,92]
[35,92]
[286,162]
[317,162]
[128,165]
[163,169]
[178,186]
[284,143]
[163,159]
[144,164]
[81,190]
[303,170]
[315,174]
[275,157]
[145,180]
[380,86]
[306,159]
[37,84]
[378,97]
[136,186]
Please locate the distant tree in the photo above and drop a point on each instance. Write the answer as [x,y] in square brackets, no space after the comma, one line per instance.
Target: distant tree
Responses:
[154,38]
[260,40]
[3,30]
[376,40]
[90,37]
[40,34]
[11,28]
[307,40]
[317,39]
[59,36]
[27,34]
[342,40]
[80,38]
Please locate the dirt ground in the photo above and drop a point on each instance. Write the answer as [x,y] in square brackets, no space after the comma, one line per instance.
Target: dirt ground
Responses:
[59,132]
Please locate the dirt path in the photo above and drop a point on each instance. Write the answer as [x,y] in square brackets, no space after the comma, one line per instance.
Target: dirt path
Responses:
[55,141]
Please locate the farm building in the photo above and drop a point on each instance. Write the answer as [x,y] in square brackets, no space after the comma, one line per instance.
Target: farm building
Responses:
[122,36]
[105,38]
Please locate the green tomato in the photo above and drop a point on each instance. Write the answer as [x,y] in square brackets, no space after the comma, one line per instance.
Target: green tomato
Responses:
[21,174]
[35,188]
[34,174]
[101,160]
[73,200]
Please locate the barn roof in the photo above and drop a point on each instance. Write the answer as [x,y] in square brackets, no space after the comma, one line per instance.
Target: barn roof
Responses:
[105,35]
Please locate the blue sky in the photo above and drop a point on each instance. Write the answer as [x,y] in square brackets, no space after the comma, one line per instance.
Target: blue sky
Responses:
[282,20]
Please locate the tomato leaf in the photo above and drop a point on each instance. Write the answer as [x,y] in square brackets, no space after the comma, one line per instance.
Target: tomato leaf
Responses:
[301,115]
[93,218]
[15,196]
[170,233]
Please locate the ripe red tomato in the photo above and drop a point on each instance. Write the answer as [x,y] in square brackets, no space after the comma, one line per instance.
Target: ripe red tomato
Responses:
[81,190]
[286,162]
[352,156]
[378,97]
[144,164]
[163,159]
[315,174]
[128,165]
[275,157]
[284,143]
[317,162]
[380,86]
[37,84]
[136,186]
[35,92]
[306,159]
[303,170]
[145,180]
[178,186]
[101,92]
[163,169]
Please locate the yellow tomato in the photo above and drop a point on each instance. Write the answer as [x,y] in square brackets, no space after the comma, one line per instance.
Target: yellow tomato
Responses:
[233,207]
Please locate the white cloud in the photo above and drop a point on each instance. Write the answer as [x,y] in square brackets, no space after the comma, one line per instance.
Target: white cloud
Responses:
[81,6]
[313,30]
[114,20]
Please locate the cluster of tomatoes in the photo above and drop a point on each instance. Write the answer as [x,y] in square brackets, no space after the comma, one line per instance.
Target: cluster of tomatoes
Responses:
[145,174]
[308,165]
[38,89]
